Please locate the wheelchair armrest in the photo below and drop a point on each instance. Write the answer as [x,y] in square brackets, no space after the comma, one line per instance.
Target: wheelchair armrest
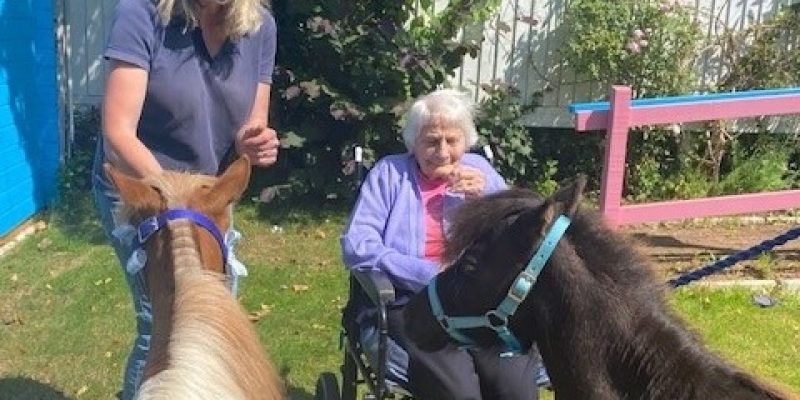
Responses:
[376,285]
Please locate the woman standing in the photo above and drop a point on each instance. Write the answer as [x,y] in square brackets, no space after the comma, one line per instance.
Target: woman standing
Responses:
[188,89]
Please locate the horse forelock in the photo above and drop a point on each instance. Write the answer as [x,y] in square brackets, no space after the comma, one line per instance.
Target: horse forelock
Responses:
[178,188]
[489,214]
[175,188]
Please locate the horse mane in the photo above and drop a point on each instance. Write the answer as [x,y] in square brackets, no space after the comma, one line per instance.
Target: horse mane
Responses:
[481,215]
[204,347]
[214,350]
[638,331]
[663,337]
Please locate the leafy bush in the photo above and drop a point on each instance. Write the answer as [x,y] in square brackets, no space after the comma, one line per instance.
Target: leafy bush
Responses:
[761,55]
[651,46]
[74,212]
[346,72]
[765,166]
[499,126]
[648,45]
[75,174]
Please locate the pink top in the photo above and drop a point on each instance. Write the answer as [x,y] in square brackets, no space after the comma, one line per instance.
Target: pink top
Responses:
[433,200]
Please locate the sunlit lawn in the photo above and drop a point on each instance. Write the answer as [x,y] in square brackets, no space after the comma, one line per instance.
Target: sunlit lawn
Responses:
[65,317]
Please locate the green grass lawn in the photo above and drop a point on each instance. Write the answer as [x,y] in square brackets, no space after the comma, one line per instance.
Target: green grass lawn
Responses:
[66,321]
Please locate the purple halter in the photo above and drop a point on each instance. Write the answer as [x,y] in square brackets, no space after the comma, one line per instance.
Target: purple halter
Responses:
[151,225]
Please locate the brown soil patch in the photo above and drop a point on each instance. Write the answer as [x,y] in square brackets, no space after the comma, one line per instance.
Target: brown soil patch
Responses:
[675,248]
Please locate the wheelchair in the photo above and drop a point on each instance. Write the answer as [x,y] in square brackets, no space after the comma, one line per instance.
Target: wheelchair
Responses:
[373,288]
[356,369]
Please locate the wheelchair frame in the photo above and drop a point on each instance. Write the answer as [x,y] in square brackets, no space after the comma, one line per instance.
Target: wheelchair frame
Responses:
[356,368]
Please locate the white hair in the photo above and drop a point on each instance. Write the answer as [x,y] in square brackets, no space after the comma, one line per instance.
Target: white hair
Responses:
[450,105]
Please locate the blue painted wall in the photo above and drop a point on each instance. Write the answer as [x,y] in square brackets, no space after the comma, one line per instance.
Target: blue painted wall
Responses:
[29,136]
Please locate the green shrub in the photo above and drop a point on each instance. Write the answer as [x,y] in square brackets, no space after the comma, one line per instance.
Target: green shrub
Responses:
[761,55]
[652,47]
[499,126]
[648,45]
[75,174]
[346,72]
[762,168]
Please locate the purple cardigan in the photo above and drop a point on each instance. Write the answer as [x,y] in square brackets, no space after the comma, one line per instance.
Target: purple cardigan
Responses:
[387,230]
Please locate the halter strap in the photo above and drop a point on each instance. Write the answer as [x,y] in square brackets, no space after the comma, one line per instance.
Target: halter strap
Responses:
[497,319]
[153,224]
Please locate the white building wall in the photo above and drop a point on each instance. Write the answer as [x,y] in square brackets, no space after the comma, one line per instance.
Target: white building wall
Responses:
[519,53]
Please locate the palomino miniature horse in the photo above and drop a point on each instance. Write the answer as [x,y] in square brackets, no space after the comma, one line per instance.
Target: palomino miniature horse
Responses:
[596,312]
[203,346]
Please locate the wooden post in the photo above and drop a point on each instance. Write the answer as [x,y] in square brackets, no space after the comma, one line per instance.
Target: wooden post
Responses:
[616,147]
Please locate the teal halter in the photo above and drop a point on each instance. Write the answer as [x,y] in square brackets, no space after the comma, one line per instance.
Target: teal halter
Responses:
[497,319]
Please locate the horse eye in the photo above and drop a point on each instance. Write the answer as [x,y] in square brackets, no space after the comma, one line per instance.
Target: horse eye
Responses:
[468,264]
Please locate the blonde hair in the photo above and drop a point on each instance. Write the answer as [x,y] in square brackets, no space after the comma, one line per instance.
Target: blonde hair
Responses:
[242,17]
[450,105]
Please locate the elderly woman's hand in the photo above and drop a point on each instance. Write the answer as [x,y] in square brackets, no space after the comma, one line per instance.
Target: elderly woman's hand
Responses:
[467,180]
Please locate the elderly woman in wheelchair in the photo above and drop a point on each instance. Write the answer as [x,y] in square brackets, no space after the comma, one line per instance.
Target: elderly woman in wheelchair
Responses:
[397,228]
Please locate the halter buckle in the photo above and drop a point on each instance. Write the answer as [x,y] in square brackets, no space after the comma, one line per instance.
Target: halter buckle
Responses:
[495,320]
[146,229]
[519,292]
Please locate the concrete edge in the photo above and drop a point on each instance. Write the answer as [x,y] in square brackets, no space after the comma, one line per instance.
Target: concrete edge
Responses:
[19,235]
[791,285]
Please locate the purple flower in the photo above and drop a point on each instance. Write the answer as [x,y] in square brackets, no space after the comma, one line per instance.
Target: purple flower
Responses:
[311,88]
[313,23]
[407,60]
[338,114]
[348,167]
[633,48]
[292,92]
[318,24]
[532,19]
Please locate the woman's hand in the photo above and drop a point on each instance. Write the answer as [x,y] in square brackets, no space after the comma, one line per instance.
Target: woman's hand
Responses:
[467,180]
[259,142]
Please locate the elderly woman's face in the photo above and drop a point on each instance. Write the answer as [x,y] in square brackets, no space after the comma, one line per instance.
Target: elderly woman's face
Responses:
[438,148]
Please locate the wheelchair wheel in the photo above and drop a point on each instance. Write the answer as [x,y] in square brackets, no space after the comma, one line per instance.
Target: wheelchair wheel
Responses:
[327,387]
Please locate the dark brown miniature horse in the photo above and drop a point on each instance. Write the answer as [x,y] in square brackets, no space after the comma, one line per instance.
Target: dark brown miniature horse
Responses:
[596,312]
[203,345]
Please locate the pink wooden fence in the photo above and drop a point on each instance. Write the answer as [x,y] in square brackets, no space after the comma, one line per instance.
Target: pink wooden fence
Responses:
[621,113]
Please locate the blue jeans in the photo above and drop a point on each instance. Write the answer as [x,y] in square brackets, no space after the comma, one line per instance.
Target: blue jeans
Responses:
[107,201]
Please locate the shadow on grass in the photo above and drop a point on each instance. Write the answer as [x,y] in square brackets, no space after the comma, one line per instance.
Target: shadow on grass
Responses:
[296,393]
[26,388]
[76,216]
[690,251]
[301,211]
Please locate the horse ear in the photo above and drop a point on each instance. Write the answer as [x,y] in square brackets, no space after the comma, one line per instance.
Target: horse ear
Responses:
[568,198]
[133,192]
[532,224]
[231,184]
